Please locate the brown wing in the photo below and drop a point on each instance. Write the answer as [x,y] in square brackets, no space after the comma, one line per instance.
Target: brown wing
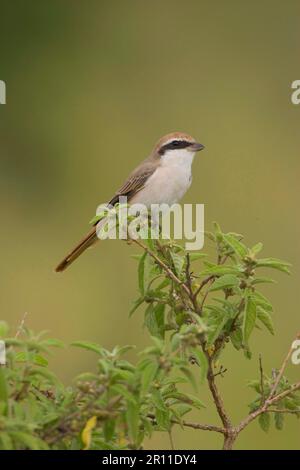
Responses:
[133,185]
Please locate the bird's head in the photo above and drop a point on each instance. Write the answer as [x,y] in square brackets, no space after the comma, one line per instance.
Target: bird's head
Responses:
[176,146]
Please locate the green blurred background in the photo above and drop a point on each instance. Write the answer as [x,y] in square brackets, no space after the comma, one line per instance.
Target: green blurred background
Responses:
[90,87]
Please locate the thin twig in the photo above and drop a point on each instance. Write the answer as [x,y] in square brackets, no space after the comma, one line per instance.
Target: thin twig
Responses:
[162,265]
[262,388]
[21,326]
[266,405]
[201,427]
[281,372]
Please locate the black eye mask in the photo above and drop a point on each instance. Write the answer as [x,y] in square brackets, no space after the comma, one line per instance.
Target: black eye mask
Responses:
[174,145]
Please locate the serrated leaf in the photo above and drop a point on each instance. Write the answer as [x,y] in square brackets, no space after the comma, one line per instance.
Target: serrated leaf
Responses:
[155,320]
[163,419]
[190,377]
[263,280]
[42,372]
[274,263]
[249,318]
[88,346]
[158,401]
[40,360]
[196,256]
[279,421]
[132,418]
[136,305]
[220,270]
[264,421]
[237,246]
[120,389]
[195,402]
[225,282]
[182,409]
[27,441]
[266,319]
[178,262]
[148,376]
[237,338]
[261,300]
[216,327]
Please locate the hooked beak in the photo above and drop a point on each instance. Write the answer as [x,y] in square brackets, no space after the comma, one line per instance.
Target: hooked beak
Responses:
[196,147]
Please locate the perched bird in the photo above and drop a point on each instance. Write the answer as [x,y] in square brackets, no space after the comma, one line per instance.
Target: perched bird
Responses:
[163,178]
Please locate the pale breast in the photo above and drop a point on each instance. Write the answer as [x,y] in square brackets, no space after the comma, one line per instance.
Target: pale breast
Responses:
[167,185]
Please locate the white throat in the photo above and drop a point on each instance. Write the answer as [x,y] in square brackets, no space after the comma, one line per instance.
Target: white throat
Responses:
[170,181]
[182,158]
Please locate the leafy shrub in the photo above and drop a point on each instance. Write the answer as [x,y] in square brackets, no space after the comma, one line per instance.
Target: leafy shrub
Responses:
[191,319]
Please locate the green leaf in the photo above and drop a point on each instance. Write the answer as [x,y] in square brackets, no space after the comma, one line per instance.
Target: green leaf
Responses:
[6,441]
[109,429]
[196,256]
[158,401]
[178,262]
[274,263]
[249,318]
[155,320]
[132,418]
[264,421]
[53,342]
[175,342]
[256,248]
[40,360]
[163,419]
[215,269]
[27,441]
[225,282]
[236,245]
[261,300]
[263,280]
[186,398]
[216,326]
[136,305]
[279,421]
[190,377]
[42,372]
[88,346]
[266,319]
[3,387]
[22,356]
[148,376]
[182,409]
[237,338]
[120,389]
[202,362]
[4,329]
[121,350]
[195,402]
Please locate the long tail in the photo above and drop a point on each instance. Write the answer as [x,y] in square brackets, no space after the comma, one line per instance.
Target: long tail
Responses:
[85,243]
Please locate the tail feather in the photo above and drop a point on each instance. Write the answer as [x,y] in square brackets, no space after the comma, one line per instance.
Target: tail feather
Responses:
[85,243]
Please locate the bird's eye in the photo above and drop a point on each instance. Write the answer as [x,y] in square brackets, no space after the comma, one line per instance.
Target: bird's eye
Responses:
[175,143]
